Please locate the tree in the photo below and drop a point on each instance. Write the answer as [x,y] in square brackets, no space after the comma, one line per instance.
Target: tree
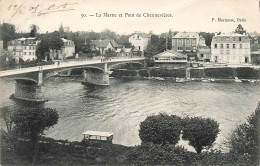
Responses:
[7,115]
[200,132]
[61,30]
[31,123]
[208,37]
[245,139]
[7,33]
[240,29]
[43,48]
[169,44]
[34,29]
[160,129]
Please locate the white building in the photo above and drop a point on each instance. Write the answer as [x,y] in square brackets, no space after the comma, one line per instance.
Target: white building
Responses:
[66,51]
[24,48]
[230,48]
[139,41]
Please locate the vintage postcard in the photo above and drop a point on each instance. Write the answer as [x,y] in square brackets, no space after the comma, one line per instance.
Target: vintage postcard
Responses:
[128,82]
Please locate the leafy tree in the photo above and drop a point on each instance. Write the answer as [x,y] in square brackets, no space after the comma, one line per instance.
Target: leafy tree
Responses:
[61,30]
[7,115]
[34,29]
[160,129]
[7,33]
[240,29]
[32,123]
[155,46]
[43,49]
[200,132]
[245,139]
[208,37]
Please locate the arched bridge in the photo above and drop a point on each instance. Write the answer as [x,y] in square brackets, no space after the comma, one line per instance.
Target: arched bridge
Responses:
[29,80]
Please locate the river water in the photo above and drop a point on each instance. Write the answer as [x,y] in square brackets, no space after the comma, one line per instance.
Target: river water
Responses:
[120,107]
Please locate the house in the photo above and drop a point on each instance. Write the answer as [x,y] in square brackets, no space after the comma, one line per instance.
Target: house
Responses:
[24,48]
[170,59]
[66,51]
[186,42]
[203,51]
[124,52]
[103,46]
[231,48]
[140,42]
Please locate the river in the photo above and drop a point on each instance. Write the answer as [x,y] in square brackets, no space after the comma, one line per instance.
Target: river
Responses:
[120,107]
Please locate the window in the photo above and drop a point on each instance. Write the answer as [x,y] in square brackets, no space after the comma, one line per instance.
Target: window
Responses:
[179,48]
[194,41]
[188,41]
[227,45]
[241,46]
[234,39]
[25,47]
[201,55]
[139,47]
[227,38]
[221,38]
[221,45]
[234,45]
[227,51]
[24,53]
[240,38]
[216,45]
[179,41]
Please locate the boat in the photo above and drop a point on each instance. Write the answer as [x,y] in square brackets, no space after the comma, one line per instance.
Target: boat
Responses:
[237,80]
[159,78]
[211,80]
[180,80]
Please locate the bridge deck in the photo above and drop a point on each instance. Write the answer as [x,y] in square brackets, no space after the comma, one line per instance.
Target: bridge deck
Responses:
[62,65]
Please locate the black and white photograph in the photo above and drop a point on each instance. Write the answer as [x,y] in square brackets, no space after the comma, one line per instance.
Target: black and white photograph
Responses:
[128,82]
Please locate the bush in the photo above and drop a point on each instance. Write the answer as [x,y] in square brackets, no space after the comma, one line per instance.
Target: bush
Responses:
[225,73]
[247,73]
[168,73]
[197,73]
[245,139]
[143,73]
[160,129]
[154,154]
[200,132]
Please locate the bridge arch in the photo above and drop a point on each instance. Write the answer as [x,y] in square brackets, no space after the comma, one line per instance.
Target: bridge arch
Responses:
[48,74]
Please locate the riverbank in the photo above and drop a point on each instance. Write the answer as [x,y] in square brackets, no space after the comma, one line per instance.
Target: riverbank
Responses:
[222,74]
[16,151]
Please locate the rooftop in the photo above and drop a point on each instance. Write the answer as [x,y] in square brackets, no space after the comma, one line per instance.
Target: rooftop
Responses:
[98,133]
[104,43]
[170,53]
[186,35]
[229,34]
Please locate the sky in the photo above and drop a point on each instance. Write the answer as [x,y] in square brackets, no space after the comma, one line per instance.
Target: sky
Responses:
[185,15]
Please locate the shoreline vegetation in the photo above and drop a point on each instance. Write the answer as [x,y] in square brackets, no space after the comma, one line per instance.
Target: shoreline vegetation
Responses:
[158,147]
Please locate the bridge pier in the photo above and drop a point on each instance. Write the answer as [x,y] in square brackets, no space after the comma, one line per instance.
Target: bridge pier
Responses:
[28,91]
[95,78]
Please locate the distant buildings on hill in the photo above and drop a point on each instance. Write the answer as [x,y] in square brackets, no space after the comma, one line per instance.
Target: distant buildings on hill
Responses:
[229,48]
